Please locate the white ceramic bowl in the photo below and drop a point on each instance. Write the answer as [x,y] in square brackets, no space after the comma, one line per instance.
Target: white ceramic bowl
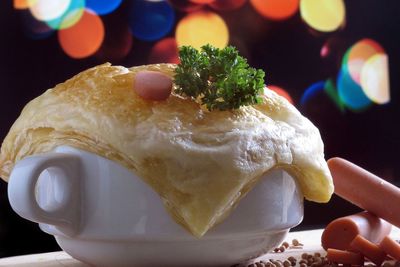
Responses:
[102,214]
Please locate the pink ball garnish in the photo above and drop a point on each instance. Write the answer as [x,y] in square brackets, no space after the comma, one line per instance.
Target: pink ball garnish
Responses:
[152,85]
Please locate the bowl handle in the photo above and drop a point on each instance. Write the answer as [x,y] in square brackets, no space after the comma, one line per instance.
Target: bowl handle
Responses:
[62,206]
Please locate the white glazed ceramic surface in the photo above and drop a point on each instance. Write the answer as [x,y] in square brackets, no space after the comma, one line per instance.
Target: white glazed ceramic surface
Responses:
[102,214]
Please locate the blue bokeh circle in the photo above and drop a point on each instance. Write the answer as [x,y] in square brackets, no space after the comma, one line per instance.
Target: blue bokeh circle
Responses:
[150,21]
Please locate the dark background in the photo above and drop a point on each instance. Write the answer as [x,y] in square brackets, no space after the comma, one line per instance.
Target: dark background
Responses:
[288,52]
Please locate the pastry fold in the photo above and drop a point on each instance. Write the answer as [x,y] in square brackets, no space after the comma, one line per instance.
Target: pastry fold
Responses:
[201,163]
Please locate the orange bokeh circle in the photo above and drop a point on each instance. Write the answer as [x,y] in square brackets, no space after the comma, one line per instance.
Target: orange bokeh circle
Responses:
[276,9]
[84,38]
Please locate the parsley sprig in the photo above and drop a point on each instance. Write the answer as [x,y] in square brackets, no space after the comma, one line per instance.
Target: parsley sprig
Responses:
[218,78]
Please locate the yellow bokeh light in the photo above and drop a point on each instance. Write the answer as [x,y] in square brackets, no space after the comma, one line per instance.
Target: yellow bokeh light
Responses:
[200,28]
[375,78]
[323,15]
[46,10]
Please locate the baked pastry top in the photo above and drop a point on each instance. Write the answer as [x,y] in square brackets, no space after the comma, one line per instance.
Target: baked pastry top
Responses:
[200,162]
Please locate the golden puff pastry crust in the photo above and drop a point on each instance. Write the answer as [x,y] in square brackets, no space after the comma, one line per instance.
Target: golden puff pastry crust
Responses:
[201,163]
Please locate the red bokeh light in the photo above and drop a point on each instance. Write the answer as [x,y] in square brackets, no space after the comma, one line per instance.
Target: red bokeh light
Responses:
[164,51]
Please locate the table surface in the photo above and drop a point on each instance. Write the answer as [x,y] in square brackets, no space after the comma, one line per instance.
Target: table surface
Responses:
[309,239]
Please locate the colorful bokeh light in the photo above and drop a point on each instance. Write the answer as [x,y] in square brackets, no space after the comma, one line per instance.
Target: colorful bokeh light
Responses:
[332,92]
[350,93]
[103,7]
[375,79]
[84,38]
[311,91]
[164,51]
[324,52]
[363,78]
[150,21]
[333,49]
[276,9]
[323,15]
[71,16]
[282,92]
[358,54]
[367,65]
[200,28]
[319,87]
[46,10]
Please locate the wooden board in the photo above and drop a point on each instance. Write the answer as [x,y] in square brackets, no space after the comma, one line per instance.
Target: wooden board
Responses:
[309,239]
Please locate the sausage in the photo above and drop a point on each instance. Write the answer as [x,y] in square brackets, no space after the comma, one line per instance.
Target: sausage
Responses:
[391,247]
[370,250]
[345,257]
[339,233]
[366,190]
[152,85]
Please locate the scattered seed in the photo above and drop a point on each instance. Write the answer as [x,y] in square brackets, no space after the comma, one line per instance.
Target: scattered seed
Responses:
[307,260]
[296,243]
[303,261]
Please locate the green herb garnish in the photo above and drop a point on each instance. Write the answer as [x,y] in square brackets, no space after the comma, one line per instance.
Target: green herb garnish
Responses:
[218,78]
